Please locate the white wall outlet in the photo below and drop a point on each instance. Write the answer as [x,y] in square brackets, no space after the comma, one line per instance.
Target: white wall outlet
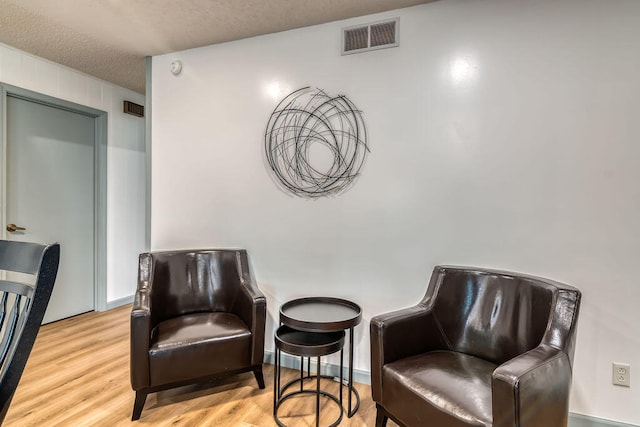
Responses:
[622,374]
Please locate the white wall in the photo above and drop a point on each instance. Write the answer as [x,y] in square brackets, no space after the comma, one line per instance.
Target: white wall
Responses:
[503,134]
[125,154]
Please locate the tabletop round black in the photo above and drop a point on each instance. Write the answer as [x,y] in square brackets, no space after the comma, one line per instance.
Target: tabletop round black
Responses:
[308,344]
[320,314]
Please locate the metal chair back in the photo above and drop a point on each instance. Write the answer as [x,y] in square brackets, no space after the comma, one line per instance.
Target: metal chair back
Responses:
[22,307]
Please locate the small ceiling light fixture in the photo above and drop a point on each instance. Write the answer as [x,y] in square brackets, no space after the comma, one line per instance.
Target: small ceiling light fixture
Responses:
[176,67]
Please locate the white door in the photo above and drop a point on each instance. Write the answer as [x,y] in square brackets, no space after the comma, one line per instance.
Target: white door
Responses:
[50,193]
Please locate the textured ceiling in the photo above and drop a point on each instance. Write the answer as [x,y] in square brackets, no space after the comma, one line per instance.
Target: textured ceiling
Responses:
[109,39]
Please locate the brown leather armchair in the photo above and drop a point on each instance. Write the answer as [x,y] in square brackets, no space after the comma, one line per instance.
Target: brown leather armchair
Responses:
[197,315]
[482,348]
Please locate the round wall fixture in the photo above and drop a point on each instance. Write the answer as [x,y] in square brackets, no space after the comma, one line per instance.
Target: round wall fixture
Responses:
[315,144]
[176,67]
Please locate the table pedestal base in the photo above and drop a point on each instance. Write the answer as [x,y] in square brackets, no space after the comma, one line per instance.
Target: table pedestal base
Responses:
[306,344]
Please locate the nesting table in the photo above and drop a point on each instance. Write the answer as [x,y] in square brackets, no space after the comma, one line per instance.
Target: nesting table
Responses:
[313,327]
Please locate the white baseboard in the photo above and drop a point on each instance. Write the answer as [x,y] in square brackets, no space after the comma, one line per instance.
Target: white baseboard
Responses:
[579,420]
[293,362]
[119,302]
[364,377]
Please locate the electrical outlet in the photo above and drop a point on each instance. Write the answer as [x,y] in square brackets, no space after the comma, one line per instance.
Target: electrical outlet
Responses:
[622,374]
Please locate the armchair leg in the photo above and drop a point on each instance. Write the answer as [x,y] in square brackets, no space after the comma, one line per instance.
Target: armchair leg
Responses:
[381,418]
[259,377]
[141,397]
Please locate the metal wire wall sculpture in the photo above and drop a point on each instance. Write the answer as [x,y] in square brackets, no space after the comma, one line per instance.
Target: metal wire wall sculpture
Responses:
[307,117]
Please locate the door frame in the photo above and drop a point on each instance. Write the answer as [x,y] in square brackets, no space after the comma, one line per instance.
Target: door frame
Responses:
[100,177]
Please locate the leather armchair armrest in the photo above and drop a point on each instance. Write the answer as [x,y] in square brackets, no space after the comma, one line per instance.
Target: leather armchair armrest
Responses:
[401,334]
[532,390]
[251,306]
[140,338]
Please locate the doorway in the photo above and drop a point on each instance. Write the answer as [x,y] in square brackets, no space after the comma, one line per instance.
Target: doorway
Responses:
[53,189]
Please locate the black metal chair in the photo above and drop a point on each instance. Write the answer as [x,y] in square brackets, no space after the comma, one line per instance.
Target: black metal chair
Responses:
[22,308]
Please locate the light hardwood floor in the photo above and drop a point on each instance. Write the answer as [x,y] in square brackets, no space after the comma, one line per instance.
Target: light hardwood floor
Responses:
[78,375]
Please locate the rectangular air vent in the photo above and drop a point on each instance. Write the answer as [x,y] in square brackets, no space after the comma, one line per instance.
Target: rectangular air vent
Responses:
[133,109]
[377,35]
[356,39]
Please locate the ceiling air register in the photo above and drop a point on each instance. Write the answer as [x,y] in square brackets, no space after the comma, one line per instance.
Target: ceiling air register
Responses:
[363,38]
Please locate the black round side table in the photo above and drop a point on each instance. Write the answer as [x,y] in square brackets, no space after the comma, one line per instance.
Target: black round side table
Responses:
[326,314]
[306,344]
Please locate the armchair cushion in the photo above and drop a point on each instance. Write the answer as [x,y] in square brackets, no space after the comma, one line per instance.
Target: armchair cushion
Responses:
[197,344]
[439,388]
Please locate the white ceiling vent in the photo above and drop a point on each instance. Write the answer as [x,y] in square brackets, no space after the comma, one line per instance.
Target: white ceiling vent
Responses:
[377,35]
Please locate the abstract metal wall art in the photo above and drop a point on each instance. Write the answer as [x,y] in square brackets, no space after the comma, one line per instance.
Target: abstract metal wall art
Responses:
[309,123]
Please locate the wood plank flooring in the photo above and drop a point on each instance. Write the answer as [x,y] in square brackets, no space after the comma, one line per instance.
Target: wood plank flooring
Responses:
[78,375]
